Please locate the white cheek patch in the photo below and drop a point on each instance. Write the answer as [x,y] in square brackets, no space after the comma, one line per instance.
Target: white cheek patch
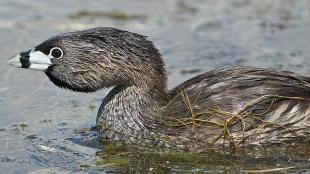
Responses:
[39,61]
[38,67]
[38,57]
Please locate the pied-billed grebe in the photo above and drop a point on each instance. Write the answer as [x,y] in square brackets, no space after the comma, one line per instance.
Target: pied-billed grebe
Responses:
[236,104]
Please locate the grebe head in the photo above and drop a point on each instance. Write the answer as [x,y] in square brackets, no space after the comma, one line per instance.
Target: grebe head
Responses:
[89,60]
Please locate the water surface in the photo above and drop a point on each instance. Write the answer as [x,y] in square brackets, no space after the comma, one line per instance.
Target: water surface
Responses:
[41,128]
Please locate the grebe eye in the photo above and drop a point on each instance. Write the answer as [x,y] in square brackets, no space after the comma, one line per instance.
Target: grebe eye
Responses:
[56,52]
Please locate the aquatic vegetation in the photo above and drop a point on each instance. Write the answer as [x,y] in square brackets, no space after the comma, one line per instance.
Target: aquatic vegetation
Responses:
[132,159]
[137,159]
[82,130]
[30,137]
[116,15]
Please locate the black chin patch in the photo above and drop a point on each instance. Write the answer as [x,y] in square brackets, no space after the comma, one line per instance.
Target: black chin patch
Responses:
[63,84]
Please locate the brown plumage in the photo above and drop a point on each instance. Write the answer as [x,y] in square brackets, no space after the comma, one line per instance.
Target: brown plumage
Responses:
[258,106]
[239,105]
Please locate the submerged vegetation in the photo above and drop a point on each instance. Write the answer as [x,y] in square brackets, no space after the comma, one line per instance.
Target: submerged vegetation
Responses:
[133,159]
[136,159]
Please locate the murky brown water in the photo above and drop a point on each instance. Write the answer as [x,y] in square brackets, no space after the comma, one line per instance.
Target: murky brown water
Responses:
[38,120]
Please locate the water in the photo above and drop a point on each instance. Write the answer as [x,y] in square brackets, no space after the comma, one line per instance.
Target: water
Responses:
[41,125]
